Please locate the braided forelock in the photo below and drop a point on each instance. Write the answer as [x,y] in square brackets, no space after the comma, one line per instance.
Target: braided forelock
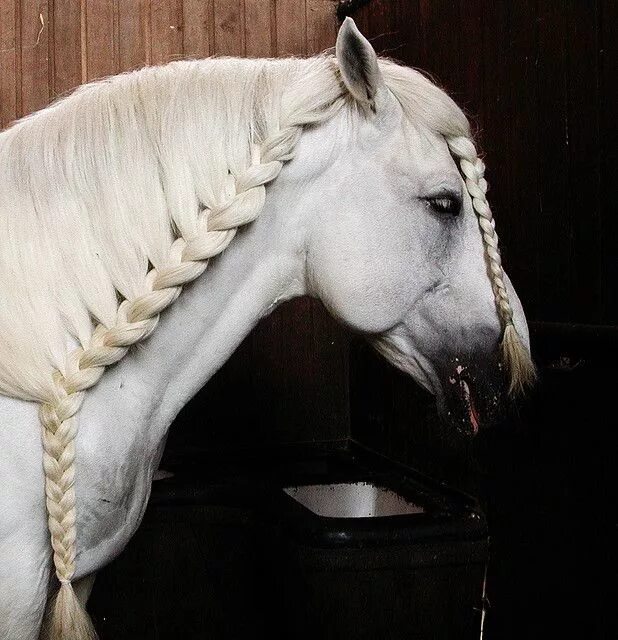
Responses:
[136,319]
[520,368]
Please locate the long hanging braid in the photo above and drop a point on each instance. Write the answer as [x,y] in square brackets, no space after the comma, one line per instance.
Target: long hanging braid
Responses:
[136,319]
[515,356]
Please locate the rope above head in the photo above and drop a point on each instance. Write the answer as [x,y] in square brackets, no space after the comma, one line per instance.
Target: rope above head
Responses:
[520,368]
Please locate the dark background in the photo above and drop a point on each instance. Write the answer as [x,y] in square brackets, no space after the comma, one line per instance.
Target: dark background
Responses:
[539,81]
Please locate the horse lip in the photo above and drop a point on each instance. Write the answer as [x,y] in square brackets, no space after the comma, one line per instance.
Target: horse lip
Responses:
[468,399]
[463,403]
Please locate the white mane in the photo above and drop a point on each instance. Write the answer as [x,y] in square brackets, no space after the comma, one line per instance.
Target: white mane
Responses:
[95,188]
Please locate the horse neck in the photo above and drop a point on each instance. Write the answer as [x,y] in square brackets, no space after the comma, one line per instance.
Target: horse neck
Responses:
[262,267]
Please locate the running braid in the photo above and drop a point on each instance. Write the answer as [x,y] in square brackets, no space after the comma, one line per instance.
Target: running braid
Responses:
[136,320]
[515,356]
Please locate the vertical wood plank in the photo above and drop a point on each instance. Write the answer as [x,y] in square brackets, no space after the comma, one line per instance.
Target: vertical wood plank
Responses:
[583,145]
[437,43]
[508,88]
[258,31]
[34,89]
[321,25]
[134,33]
[198,31]
[9,52]
[101,38]
[291,25]
[554,226]
[608,99]
[471,52]
[66,46]
[229,28]
[362,18]
[393,29]
[166,39]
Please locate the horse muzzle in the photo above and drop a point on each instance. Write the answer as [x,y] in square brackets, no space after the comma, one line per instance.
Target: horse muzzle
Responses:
[473,390]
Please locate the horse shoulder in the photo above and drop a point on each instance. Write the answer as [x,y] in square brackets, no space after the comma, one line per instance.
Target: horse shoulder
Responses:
[25,552]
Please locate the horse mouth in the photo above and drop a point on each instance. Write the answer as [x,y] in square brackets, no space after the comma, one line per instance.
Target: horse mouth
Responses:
[471,404]
[467,398]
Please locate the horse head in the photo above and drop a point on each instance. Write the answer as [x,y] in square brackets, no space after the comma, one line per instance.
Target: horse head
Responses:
[401,244]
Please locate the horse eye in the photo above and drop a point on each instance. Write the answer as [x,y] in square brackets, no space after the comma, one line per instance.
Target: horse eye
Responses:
[445,204]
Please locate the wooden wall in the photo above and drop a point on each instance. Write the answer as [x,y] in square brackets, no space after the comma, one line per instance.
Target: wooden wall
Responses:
[48,47]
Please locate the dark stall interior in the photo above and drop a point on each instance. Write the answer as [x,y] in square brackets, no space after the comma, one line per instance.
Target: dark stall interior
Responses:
[539,80]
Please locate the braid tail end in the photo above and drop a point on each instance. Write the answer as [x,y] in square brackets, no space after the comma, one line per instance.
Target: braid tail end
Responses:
[66,618]
[521,369]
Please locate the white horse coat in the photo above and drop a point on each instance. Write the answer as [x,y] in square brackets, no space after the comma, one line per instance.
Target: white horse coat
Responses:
[371,216]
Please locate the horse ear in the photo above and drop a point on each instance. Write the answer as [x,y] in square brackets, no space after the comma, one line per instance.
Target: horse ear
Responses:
[358,63]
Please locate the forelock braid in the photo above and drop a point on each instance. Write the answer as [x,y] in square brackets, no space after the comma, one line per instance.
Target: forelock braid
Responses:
[520,367]
[136,319]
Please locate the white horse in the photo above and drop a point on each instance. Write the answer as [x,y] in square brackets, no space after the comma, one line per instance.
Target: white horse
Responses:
[114,198]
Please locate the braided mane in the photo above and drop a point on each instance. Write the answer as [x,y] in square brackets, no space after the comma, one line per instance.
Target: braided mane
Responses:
[116,197]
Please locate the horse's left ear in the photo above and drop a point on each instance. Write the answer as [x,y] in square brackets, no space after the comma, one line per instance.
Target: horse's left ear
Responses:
[358,63]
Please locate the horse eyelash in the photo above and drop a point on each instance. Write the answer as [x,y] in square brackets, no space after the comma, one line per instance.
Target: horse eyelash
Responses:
[440,204]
